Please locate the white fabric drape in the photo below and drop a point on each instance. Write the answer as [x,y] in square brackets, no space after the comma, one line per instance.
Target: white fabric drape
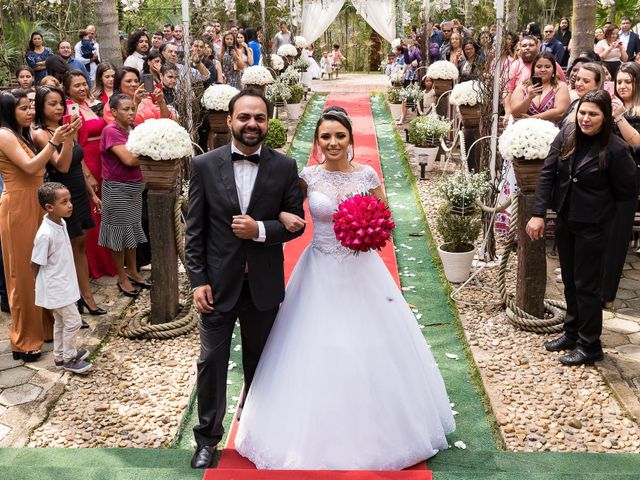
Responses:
[317,15]
[380,15]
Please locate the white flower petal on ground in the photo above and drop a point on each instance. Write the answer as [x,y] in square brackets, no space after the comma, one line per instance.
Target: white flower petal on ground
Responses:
[452,356]
[460,444]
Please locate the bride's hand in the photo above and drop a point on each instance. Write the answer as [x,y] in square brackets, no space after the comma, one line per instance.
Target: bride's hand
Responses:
[291,221]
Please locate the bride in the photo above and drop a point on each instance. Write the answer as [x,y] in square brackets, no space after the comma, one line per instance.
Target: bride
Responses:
[346,380]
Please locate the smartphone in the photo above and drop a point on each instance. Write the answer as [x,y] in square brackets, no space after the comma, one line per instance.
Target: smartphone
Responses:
[147,81]
[536,81]
[609,87]
[73,110]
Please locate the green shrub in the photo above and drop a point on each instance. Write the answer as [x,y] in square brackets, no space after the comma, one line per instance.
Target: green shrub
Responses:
[277,134]
[458,232]
[297,92]
[393,94]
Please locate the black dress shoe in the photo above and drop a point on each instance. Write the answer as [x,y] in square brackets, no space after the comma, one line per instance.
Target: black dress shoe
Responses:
[560,343]
[580,357]
[128,293]
[82,305]
[84,324]
[141,284]
[203,458]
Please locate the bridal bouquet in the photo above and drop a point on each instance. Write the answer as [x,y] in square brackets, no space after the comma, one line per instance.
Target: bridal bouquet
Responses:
[529,138]
[217,97]
[161,139]
[256,75]
[277,63]
[300,42]
[442,70]
[363,222]
[466,94]
[287,50]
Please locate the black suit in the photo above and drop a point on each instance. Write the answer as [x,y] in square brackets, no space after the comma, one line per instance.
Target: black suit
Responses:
[633,47]
[246,277]
[584,196]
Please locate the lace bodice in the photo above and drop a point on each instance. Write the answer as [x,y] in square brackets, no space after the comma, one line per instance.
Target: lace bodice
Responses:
[325,192]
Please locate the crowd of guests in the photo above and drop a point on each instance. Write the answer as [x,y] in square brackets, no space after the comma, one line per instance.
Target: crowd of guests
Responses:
[67,124]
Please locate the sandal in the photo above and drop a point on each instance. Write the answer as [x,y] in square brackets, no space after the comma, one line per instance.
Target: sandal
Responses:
[31,356]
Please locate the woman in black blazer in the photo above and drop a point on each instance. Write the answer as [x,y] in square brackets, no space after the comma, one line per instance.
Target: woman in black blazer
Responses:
[587,171]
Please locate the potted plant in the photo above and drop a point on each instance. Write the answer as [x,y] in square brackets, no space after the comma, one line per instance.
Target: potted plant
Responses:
[216,100]
[160,145]
[424,133]
[278,92]
[288,52]
[293,103]
[459,222]
[257,77]
[276,135]
[412,96]
[289,76]
[302,65]
[526,143]
[443,73]
[395,102]
[467,96]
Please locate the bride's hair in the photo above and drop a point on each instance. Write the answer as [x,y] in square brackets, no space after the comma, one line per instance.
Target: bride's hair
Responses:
[336,114]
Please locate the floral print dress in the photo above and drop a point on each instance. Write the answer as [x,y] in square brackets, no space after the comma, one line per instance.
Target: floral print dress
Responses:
[229,71]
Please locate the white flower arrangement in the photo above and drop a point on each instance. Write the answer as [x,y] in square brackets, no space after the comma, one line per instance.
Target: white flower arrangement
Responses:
[607,3]
[529,138]
[442,5]
[161,139]
[442,70]
[396,43]
[287,50]
[290,75]
[427,130]
[278,92]
[277,62]
[256,75]
[128,5]
[411,94]
[302,64]
[466,93]
[300,42]
[461,189]
[217,97]
[397,77]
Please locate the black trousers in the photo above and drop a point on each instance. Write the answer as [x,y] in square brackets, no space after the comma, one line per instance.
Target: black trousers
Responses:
[619,236]
[216,330]
[581,251]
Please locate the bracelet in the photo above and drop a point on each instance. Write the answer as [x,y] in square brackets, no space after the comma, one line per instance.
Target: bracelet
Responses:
[618,120]
[53,144]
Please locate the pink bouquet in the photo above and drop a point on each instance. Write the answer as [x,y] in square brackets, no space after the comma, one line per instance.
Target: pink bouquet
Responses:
[363,222]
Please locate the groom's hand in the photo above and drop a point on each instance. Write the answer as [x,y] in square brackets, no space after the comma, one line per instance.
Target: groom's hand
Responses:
[244,227]
[203,299]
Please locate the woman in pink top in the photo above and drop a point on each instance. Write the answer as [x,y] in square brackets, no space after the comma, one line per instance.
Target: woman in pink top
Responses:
[122,187]
[611,50]
[146,105]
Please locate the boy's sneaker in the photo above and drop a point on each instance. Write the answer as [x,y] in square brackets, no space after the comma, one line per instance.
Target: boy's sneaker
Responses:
[77,366]
[80,355]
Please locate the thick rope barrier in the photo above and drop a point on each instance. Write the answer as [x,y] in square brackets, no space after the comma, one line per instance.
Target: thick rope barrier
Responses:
[186,320]
[516,316]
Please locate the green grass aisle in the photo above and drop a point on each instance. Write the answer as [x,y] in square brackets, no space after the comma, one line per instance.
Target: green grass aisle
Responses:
[425,288]
[300,149]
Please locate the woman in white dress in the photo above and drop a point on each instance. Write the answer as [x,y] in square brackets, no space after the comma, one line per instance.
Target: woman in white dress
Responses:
[346,380]
[314,69]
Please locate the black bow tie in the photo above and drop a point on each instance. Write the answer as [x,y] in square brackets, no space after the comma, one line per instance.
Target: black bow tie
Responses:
[255,158]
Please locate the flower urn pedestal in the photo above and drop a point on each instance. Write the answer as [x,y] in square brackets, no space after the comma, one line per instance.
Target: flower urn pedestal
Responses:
[441,86]
[457,265]
[294,111]
[219,131]
[306,78]
[254,86]
[532,260]
[396,111]
[470,115]
[161,177]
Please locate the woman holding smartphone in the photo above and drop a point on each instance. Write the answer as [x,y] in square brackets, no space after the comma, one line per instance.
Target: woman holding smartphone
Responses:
[611,50]
[543,95]
[232,64]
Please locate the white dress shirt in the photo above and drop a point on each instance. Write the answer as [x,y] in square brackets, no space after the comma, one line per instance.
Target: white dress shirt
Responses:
[245,173]
[624,37]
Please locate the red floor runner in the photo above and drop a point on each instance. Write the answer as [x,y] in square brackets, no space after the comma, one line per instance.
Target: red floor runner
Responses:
[233,466]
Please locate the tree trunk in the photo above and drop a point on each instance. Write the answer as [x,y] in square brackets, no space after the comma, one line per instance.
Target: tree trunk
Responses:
[511,19]
[374,52]
[107,32]
[582,30]
[468,14]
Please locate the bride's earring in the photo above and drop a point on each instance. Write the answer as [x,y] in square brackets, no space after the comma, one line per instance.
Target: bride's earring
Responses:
[350,153]
[322,159]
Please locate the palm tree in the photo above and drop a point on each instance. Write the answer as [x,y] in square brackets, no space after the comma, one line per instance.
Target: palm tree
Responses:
[107,31]
[584,20]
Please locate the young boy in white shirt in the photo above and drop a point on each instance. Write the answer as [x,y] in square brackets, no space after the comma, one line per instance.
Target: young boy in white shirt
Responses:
[56,282]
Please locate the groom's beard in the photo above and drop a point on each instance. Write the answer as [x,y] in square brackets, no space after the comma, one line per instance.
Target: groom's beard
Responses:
[241,138]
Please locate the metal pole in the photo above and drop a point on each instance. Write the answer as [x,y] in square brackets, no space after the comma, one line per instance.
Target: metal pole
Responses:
[187,66]
[496,88]
[428,26]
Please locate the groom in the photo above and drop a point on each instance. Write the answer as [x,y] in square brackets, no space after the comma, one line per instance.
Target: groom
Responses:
[234,254]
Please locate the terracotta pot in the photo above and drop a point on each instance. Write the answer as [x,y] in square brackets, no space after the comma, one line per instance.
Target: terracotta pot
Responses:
[527,173]
[160,175]
[470,115]
[440,86]
[219,131]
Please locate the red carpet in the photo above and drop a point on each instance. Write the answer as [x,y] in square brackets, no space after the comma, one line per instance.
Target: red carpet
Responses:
[233,466]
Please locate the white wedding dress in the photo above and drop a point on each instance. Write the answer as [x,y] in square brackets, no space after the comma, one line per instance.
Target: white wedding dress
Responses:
[346,380]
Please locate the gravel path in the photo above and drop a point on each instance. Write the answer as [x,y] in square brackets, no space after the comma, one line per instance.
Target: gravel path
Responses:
[539,404]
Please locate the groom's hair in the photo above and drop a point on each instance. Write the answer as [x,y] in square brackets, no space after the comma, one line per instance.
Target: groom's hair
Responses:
[249,92]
